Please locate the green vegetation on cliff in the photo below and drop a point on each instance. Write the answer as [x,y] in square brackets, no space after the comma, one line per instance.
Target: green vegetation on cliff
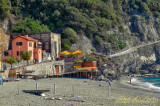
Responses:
[71,18]
[29,25]
[5,7]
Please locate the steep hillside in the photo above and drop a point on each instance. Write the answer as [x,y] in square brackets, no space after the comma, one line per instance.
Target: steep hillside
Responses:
[104,26]
[4,40]
[111,25]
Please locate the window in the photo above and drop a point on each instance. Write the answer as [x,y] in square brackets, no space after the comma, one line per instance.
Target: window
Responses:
[30,44]
[5,53]
[17,53]
[19,43]
[34,45]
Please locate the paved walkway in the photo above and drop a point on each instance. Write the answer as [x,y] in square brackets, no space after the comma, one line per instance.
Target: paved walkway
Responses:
[131,49]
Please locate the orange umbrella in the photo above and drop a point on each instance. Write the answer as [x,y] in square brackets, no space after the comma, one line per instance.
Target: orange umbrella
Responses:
[65,53]
[77,52]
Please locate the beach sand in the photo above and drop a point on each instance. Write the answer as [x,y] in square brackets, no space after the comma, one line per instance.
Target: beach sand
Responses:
[93,94]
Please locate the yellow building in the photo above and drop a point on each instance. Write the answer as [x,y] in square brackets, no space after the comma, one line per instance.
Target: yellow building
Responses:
[4,41]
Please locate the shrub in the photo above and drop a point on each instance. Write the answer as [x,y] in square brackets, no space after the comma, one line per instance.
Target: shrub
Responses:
[121,44]
[157,14]
[104,59]
[109,37]
[29,25]
[69,34]
[135,17]
[66,46]
[98,41]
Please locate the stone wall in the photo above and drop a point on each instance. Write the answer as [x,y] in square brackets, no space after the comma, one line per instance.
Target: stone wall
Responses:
[45,68]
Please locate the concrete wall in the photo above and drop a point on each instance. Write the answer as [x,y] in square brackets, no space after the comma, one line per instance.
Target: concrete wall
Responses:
[45,68]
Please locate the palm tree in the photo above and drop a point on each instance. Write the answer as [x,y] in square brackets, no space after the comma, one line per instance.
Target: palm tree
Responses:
[26,55]
[10,60]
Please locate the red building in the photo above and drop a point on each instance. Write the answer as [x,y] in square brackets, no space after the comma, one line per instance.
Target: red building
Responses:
[20,43]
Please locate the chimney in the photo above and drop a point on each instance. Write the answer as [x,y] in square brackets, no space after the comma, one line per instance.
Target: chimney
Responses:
[26,36]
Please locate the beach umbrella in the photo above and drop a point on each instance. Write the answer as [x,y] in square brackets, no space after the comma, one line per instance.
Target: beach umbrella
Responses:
[77,52]
[65,53]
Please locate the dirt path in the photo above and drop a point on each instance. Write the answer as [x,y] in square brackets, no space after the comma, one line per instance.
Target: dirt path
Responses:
[131,49]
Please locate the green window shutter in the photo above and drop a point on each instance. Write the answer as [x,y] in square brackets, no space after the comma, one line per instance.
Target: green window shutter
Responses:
[20,43]
[17,53]
[34,45]
[17,43]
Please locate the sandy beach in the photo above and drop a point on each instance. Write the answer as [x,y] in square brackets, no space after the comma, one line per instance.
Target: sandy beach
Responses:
[93,94]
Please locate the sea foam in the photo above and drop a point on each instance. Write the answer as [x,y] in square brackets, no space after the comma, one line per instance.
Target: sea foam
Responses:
[144,85]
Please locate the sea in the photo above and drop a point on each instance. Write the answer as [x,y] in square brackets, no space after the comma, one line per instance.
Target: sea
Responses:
[148,81]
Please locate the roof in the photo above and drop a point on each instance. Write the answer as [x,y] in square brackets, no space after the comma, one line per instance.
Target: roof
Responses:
[25,37]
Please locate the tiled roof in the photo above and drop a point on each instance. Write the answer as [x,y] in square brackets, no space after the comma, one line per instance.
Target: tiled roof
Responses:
[26,37]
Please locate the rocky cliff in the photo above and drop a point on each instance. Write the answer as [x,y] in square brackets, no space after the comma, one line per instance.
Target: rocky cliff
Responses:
[103,26]
[4,40]
[143,60]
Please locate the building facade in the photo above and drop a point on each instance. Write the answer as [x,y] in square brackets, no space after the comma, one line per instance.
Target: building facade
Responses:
[51,42]
[21,43]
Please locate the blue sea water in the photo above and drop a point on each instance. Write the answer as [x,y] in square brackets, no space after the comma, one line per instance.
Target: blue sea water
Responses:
[153,79]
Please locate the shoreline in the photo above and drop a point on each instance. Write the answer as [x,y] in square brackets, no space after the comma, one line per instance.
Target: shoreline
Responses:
[136,83]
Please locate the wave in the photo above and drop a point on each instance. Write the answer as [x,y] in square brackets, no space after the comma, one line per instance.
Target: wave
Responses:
[144,85]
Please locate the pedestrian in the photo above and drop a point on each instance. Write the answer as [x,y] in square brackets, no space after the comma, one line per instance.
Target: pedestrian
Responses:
[90,79]
[130,79]
[88,76]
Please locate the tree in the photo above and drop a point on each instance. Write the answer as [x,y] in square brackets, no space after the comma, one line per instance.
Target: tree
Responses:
[29,25]
[26,55]
[4,8]
[10,60]
[18,60]
[66,46]
[70,35]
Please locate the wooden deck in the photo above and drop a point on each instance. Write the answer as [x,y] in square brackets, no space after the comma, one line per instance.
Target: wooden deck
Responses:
[76,74]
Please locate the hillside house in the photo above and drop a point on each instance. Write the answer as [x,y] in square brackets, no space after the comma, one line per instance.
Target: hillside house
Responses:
[20,43]
[51,42]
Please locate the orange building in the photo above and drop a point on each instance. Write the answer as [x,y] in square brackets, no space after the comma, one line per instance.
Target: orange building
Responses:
[20,43]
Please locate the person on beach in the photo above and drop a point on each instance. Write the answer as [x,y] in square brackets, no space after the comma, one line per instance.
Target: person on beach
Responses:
[88,76]
[90,79]
[130,79]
